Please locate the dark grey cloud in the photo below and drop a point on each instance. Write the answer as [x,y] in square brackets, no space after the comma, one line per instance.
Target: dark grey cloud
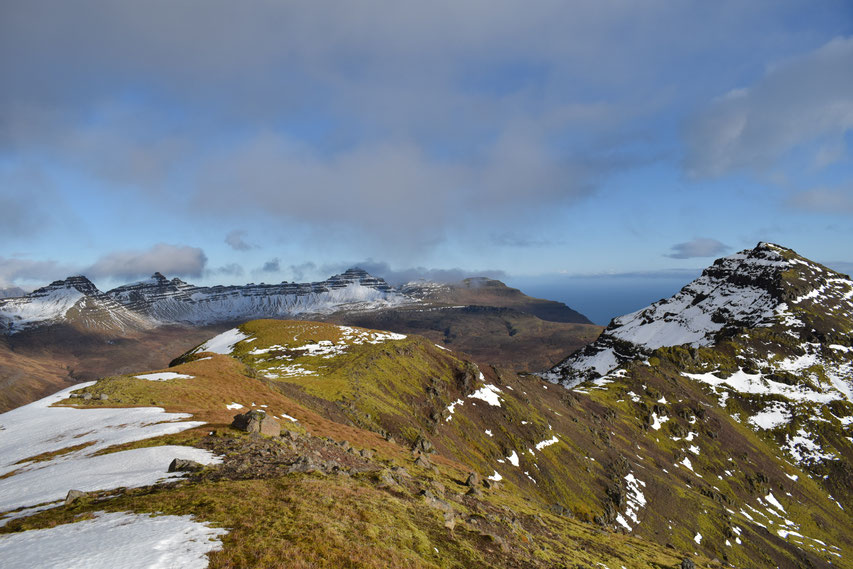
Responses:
[236,240]
[231,269]
[807,99]
[299,272]
[699,247]
[180,260]
[271,266]
[429,113]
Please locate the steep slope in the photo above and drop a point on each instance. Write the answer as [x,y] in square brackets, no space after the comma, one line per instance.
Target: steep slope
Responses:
[768,287]
[741,387]
[74,301]
[325,494]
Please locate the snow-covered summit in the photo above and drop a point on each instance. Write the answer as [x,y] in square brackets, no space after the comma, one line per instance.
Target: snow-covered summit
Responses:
[765,286]
[74,300]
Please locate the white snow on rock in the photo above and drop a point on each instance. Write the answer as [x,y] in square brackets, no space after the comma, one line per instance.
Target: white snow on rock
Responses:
[772,416]
[163,376]
[697,538]
[756,384]
[635,498]
[543,444]
[513,458]
[452,407]
[658,421]
[234,406]
[496,477]
[223,343]
[489,394]
[803,448]
[38,428]
[120,540]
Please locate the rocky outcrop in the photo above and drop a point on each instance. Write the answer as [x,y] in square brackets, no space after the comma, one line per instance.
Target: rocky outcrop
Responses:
[257,421]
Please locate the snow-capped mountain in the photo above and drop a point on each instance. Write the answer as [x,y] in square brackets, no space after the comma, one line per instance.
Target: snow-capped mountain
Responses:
[767,287]
[158,301]
[75,300]
[175,301]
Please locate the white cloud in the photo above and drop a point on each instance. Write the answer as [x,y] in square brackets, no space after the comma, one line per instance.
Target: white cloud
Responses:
[16,270]
[807,100]
[180,260]
[699,247]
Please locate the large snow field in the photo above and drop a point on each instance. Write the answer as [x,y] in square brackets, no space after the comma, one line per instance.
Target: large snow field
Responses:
[118,540]
[38,428]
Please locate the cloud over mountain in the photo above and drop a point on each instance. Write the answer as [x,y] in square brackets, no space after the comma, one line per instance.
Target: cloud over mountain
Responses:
[180,260]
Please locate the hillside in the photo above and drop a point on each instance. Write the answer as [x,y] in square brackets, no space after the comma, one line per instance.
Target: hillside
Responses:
[70,331]
[325,492]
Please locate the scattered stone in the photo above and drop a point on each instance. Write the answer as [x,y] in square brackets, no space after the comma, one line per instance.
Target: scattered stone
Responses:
[366,453]
[74,495]
[449,520]
[87,396]
[473,480]
[474,492]
[423,445]
[182,465]
[423,462]
[687,563]
[103,396]
[304,464]
[257,421]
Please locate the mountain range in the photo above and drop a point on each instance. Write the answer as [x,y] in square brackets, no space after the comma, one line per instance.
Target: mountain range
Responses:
[70,331]
[710,429]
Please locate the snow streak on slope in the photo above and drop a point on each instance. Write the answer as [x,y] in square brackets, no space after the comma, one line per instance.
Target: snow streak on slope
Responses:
[119,540]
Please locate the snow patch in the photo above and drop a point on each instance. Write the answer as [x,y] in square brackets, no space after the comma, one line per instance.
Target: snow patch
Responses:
[119,540]
[488,393]
[223,343]
[163,376]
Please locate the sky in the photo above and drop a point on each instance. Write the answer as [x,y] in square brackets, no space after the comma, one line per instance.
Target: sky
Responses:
[565,147]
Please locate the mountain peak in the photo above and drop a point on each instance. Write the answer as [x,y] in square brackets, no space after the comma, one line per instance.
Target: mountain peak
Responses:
[77,282]
[768,286]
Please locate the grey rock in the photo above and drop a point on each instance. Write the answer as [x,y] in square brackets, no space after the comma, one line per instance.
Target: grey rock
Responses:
[473,480]
[687,563]
[74,495]
[183,465]
[257,421]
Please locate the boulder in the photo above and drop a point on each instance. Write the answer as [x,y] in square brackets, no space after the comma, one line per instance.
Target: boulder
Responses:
[473,480]
[182,465]
[423,462]
[687,563]
[257,421]
[73,496]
